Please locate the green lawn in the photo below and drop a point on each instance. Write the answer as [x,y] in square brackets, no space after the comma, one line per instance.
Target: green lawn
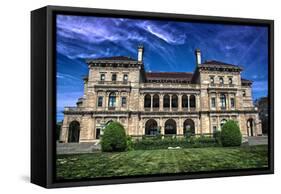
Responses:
[143,162]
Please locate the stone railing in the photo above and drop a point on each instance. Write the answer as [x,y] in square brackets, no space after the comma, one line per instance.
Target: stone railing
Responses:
[170,85]
[222,86]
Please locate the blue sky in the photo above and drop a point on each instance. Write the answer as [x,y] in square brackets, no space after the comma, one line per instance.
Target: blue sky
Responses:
[168,46]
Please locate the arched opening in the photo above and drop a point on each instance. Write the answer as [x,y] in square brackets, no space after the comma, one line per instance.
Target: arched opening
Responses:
[151,127]
[73,132]
[170,127]
[250,127]
[223,121]
[166,101]
[192,101]
[188,127]
[156,101]
[184,101]
[112,100]
[147,101]
[174,101]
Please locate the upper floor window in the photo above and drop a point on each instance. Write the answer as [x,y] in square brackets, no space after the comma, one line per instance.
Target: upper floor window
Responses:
[125,78]
[230,82]
[192,101]
[102,77]
[223,101]
[184,101]
[124,101]
[147,101]
[100,99]
[114,77]
[221,80]
[232,102]
[112,100]
[166,103]
[155,101]
[244,93]
[213,102]
[212,80]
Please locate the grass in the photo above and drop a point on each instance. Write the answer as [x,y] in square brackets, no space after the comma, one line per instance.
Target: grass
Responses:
[146,162]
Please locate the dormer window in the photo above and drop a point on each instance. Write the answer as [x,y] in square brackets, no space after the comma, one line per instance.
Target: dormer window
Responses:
[114,77]
[221,80]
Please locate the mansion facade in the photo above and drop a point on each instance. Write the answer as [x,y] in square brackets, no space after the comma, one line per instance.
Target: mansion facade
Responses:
[170,103]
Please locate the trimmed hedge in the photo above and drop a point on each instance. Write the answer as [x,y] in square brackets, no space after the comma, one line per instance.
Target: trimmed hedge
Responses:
[192,142]
[231,134]
[114,138]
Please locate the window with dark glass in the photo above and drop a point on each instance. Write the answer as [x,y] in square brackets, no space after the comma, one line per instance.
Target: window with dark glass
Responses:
[147,101]
[223,101]
[184,101]
[155,101]
[174,101]
[166,103]
[213,102]
[232,102]
[192,101]
[100,99]
[112,100]
[244,93]
[114,77]
[124,101]
[102,77]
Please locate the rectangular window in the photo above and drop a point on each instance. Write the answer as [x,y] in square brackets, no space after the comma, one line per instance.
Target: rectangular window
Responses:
[102,77]
[114,77]
[124,101]
[125,78]
[221,81]
[230,82]
[232,102]
[244,93]
[213,102]
[212,80]
[100,99]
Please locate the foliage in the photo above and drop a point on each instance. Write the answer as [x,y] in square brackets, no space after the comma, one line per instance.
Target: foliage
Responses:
[114,138]
[230,134]
[130,143]
[217,136]
[192,142]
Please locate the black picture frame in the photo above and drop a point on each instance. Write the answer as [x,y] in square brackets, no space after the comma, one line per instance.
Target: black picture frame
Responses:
[43,95]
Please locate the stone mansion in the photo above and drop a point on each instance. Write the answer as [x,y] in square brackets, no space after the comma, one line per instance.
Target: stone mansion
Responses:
[171,103]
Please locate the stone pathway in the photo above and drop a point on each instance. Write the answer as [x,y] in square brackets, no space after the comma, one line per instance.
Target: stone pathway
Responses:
[75,148]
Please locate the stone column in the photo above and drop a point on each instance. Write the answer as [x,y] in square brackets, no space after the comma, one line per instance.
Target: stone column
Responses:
[161,102]
[180,102]
[170,102]
[151,102]
[217,101]
[197,102]
[188,106]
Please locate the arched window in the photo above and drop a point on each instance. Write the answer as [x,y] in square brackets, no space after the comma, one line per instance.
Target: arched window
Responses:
[188,127]
[73,132]
[147,101]
[192,101]
[151,127]
[174,101]
[170,127]
[112,100]
[184,101]
[250,127]
[221,80]
[223,101]
[156,101]
[166,101]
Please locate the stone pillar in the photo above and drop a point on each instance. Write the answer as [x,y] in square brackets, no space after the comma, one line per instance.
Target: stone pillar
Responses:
[217,101]
[161,102]
[180,102]
[188,106]
[151,102]
[197,102]
[170,102]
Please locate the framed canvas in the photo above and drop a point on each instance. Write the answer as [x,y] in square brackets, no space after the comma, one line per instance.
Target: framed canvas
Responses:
[125,96]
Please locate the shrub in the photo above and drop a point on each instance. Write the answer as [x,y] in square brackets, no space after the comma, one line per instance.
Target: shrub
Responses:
[230,134]
[217,136]
[114,138]
[192,142]
[130,143]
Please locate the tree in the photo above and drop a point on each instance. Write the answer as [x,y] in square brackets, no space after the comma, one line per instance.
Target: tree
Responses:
[230,134]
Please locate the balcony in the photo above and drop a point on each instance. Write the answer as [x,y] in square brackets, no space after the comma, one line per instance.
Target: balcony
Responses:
[121,83]
[212,85]
[110,84]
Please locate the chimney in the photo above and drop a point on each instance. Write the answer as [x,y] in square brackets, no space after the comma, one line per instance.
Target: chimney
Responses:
[140,53]
[198,56]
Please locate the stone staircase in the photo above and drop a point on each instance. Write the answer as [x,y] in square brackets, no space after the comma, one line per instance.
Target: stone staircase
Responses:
[75,148]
